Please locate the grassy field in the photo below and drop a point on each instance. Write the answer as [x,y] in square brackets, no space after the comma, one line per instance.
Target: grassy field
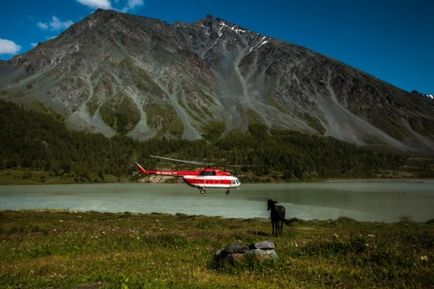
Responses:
[106,250]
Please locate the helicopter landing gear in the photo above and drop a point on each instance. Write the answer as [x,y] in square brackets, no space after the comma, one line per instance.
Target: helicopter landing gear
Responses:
[227,192]
[202,191]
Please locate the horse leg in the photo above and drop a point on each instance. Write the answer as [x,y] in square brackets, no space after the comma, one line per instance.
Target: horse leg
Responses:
[275,228]
[278,227]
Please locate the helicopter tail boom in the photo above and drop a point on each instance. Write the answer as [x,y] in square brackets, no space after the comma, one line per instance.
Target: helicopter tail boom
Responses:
[165,173]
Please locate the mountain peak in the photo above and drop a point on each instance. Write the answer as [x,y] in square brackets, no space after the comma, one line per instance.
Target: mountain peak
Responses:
[213,20]
[100,10]
[119,73]
[104,13]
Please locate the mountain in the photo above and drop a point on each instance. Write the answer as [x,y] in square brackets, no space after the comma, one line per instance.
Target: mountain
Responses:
[116,73]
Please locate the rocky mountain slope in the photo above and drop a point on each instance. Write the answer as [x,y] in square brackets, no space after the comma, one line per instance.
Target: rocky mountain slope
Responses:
[116,73]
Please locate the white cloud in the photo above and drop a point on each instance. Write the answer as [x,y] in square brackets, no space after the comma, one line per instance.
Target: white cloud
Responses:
[108,4]
[33,44]
[9,47]
[132,4]
[104,4]
[42,25]
[55,24]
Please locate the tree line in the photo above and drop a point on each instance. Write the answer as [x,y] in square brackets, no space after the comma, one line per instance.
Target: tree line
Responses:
[41,141]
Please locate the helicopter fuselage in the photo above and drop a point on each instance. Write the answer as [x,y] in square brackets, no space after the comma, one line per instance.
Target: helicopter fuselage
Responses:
[201,178]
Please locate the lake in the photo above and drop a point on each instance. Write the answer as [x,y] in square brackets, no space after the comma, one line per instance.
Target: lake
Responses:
[386,201]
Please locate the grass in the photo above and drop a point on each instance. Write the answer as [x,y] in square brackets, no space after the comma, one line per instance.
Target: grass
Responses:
[102,89]
[30,177]
[213,130]
[34,177]
[140,78]
[164,118]
[58,249]
[313,122]
[121,113]
[253,117]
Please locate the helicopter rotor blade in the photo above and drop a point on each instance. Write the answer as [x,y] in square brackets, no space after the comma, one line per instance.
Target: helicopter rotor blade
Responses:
[204,163]
[240,166]
[182,161]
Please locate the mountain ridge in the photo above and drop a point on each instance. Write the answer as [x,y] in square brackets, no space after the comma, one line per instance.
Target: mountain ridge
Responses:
[117,73]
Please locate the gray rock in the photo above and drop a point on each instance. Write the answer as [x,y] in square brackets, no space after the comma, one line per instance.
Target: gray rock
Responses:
[259,255]
[238,254]
[265,245]
[236,248]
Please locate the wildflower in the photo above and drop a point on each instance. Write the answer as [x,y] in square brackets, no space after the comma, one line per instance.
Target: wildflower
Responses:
[335,235]
[424,258]
[371,235]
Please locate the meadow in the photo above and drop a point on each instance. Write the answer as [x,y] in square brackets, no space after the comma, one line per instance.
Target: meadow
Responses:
[85,250]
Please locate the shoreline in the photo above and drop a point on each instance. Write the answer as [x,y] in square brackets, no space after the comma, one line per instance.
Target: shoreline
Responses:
[404,219]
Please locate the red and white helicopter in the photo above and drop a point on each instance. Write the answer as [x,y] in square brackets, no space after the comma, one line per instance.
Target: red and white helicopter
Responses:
[201,178]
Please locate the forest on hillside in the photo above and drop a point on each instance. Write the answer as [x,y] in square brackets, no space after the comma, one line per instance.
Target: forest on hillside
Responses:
[40,141]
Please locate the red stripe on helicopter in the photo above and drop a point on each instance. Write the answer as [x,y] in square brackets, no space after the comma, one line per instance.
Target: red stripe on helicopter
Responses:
[169,173]
[208,181]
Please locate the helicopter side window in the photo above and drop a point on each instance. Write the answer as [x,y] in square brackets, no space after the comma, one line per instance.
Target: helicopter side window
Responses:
[208,173]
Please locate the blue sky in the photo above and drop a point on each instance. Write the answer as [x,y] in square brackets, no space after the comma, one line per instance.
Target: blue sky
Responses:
[390,39]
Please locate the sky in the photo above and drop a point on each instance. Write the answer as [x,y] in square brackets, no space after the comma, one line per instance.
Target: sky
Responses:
[390,39]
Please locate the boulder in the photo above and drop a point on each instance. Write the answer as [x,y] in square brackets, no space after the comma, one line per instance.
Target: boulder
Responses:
[264,245]
[236,248]
[238,254]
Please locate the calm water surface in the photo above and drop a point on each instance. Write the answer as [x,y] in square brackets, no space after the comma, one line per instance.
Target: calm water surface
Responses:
[361,200]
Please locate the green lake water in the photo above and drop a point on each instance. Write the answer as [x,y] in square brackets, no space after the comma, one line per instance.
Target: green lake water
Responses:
[386,201]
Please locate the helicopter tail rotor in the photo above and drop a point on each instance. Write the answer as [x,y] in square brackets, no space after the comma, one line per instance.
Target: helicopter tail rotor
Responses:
[140,169]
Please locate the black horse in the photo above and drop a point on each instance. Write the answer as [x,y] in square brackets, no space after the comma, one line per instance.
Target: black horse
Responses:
[277,217]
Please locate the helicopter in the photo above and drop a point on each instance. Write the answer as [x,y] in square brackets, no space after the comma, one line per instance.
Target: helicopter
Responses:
[202,179]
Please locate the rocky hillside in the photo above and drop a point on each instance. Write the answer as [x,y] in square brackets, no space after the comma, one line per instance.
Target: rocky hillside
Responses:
[116,73]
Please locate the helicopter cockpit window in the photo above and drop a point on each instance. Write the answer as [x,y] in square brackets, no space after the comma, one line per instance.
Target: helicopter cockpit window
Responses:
[212,173]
